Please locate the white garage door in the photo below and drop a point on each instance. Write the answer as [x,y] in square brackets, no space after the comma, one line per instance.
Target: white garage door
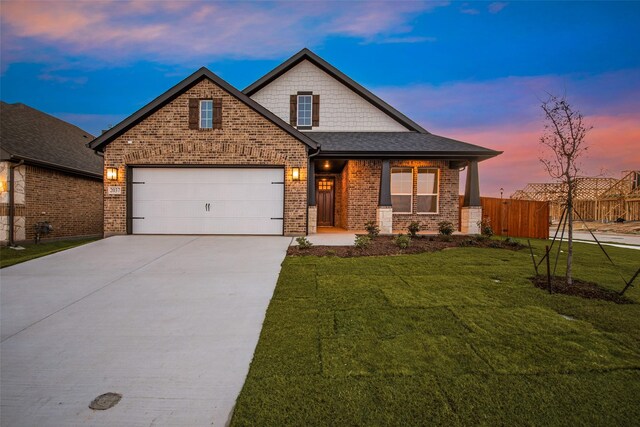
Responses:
[207,201]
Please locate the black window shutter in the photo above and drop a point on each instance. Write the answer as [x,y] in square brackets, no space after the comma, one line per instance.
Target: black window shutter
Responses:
[217,113]
[293,110]
[194,112]
[315,119]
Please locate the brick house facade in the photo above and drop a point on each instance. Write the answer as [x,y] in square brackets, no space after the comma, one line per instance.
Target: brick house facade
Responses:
[245,139]
[304,117]
[76,216]
[47,175]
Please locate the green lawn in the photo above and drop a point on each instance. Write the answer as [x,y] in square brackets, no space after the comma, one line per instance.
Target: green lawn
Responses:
[458,337]
[10,256]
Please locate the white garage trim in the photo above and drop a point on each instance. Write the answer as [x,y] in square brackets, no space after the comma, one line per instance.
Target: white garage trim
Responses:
[205,200]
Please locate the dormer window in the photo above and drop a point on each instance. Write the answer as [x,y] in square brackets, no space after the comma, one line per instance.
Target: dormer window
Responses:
[305,107]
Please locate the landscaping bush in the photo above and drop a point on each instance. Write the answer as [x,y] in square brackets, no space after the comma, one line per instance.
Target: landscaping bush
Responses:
[445,228]
[372,228]
[303,243]
[471,242]
[413,228]
[362,242]
[402,241]
[485,227]
[510,242]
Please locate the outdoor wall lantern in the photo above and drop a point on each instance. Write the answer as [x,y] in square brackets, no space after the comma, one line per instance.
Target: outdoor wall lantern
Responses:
[295,174]
[112,174]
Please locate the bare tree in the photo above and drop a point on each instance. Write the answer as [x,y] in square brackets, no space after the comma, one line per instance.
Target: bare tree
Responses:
[563,139]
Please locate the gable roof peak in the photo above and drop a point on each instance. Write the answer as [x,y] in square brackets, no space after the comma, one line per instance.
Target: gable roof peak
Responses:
[203,72]
[307,54]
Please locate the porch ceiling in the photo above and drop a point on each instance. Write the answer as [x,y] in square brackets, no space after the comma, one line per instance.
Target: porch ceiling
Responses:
[329,165]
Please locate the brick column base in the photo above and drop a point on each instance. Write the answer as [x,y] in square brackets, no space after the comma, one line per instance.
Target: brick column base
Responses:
[313,220]
[470,216]
[384,215]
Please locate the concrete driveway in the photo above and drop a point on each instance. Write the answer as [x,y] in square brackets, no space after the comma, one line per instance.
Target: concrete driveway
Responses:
[170,322]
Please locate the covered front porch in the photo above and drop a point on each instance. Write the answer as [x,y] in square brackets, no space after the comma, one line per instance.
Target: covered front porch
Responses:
[346,193]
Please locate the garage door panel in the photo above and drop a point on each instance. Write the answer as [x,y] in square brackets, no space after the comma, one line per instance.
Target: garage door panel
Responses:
[245,209]
[207,200]
[169,208]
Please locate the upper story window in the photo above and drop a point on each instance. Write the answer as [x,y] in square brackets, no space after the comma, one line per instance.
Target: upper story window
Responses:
[305,106]
[206,114]
[401,189]
[427,191]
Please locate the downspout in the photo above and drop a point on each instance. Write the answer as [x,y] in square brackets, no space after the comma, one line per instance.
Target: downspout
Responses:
[310,186]
[12,203]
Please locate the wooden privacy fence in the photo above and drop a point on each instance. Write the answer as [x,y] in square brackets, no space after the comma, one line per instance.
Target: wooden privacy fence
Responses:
[516,218]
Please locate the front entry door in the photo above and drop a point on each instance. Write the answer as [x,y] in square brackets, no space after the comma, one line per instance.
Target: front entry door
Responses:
[324,199]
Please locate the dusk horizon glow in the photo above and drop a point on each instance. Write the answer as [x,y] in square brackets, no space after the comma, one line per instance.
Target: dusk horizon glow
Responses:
[474,71]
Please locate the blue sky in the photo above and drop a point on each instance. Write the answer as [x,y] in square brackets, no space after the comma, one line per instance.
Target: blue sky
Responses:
[470,70]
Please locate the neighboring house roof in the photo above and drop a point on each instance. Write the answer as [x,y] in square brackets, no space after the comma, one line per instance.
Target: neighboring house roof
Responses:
[306,54]
[396,143]
[38,138]
[202,73]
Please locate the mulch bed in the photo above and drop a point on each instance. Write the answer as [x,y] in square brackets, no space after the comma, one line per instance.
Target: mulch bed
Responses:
[385,245]
[581,289]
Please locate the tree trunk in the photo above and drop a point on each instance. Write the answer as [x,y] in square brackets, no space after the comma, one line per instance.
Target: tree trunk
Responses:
[570,235]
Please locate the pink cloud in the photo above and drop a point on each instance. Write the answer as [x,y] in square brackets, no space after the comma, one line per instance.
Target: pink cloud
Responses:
[175,31]
[613,145]
[514,99]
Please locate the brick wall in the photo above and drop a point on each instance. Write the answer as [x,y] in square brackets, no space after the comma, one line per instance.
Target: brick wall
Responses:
[71,203]
[344,196]
[363,180]
[341,109]
[362,187]
[246,138]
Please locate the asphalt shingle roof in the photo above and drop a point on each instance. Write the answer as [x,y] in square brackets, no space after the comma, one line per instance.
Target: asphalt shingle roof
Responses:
[392,142]
[27,133]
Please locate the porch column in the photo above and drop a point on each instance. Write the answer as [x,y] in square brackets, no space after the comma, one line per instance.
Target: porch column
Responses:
[385,211]
[471,212]
[312,210]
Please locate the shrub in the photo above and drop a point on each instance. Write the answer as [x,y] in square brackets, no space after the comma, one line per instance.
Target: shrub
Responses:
[413,228]
[510,242]
[468,242]
[402,241]
[372,228]
[485,227]
[362,242]
[445,228]
[303,243]
[331,252]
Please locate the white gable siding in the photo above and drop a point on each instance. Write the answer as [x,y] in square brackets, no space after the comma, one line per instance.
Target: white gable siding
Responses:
[341,109]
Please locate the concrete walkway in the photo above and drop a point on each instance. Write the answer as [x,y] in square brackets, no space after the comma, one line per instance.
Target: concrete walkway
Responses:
[628,241]
[170,322]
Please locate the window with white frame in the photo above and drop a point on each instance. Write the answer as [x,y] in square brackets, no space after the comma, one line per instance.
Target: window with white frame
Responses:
[401,189]
[427,191]
[206,114]
[305,104]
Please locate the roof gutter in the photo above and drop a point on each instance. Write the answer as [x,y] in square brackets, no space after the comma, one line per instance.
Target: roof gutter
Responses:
[56,166]
[409,155]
